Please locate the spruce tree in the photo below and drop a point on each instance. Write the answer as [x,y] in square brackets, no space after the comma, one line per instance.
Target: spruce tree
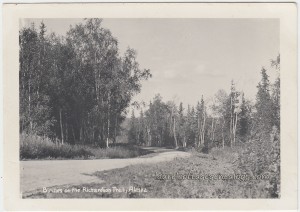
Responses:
[263,104]
[244,119]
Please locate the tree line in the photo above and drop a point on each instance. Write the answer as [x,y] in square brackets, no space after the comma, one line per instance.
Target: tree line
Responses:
[224,120]
[75,88]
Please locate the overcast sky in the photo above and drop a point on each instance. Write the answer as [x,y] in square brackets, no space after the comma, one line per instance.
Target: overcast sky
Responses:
[191,57]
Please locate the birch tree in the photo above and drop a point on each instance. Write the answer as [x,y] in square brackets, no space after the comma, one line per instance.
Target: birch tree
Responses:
[76,88]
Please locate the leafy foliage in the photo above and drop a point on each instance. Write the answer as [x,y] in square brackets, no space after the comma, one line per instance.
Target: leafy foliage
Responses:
[262,157]
[76,88]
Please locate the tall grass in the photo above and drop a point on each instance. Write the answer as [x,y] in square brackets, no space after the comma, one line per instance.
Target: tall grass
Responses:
[37,147]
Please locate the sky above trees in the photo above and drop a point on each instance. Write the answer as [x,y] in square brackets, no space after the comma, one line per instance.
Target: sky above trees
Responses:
[192,57]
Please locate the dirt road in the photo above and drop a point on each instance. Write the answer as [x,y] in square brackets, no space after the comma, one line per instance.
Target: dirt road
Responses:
[47,173]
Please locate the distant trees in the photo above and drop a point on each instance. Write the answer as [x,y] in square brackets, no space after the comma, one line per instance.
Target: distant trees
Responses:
[245,119]
[220,110]
[166,124]
[132,133]
[201,120]
[228,120]
[76,88]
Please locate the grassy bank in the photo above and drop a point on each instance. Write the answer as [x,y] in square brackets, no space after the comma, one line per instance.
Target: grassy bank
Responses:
[36,147]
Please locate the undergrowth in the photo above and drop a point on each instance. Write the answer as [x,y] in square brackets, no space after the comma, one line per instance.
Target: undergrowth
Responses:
[37,147]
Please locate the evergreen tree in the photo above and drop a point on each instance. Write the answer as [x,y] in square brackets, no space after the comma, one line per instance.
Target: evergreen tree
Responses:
[263,104]
[244,123]
[276,93]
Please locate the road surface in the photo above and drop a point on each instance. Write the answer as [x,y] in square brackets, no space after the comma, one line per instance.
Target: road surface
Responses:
[48,173]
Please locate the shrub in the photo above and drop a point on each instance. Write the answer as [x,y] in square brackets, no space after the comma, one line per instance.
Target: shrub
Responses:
[117,152]
[226,154]
[37,147]
[262,157]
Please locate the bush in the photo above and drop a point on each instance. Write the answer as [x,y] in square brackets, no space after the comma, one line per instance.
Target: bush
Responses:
[119,152]
[226,154]
[37,147]
[262,157]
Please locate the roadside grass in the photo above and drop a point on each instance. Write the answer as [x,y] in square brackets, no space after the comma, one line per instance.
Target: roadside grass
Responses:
[157,180]
[36,147]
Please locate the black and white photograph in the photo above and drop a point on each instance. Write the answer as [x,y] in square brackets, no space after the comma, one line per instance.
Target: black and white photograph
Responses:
[149,108]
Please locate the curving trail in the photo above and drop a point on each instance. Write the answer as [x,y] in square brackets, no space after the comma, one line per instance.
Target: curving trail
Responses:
[38,174]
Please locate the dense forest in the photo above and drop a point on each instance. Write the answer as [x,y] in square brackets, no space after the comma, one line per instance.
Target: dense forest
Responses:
[76,88]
